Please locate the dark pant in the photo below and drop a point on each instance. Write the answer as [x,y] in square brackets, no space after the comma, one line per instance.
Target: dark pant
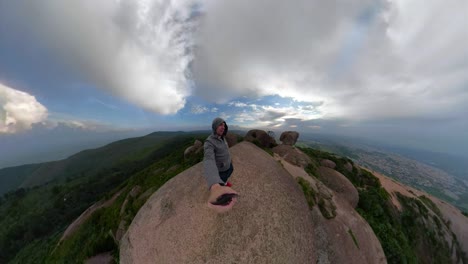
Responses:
[226,174]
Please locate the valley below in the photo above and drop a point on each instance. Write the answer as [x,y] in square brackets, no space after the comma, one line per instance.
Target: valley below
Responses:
[411,172]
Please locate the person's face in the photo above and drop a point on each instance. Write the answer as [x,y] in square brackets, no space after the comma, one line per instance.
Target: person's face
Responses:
[220,129]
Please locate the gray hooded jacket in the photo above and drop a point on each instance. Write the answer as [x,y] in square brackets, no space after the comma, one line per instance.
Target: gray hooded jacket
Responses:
[217,157]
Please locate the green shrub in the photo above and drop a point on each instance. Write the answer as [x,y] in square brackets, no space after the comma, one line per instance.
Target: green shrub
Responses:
[311,169]
[428,243]
[350,232]
[374,206]
[431,205]
[309,192]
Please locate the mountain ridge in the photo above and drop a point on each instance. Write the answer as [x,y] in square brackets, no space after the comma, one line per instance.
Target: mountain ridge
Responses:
[83,163]
[271,223]
[105,223]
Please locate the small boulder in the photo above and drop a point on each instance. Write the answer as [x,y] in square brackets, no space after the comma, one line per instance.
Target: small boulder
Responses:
[328,163]
[261,137]
[198,144]
[340,184]
[349,167]
[289,137]
[135,191]
[120,230]
[325,201]
[194,149]
[292,155]
[324,191]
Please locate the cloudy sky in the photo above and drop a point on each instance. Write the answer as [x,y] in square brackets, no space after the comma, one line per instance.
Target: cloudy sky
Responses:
[389,70]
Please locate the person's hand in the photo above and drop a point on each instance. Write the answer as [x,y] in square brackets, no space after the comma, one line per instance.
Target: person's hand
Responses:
[216,191]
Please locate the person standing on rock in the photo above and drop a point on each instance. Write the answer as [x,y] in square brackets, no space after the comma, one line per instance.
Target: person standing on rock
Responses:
[218,168]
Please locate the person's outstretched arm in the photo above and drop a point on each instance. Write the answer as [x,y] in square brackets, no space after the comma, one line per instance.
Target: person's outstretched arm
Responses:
[209,165]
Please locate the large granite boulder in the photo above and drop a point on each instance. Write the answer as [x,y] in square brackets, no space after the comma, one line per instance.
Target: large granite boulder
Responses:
[271,223]
[348,166]
[260,136]
[231,139]
[328,163]
[292,155]
[340,184]
[196,148]
[289,137]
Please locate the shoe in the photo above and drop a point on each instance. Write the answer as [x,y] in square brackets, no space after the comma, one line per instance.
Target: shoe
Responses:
[228,184]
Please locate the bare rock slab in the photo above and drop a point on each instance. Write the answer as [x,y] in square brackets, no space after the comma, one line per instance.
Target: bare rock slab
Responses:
[271,223]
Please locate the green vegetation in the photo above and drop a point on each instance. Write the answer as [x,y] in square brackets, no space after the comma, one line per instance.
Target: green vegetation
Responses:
[330,148]
[326,205]
[309,192]
[350,232]
[328,209]
[92,238]
[33,220]
[427,239]
[413,235]
[11,178]
[437,193]
[359,177]
[374,205]
[429,203]
[465,213]
[311,169]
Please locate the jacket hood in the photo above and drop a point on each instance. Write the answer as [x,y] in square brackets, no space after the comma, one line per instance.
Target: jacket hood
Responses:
[216,122]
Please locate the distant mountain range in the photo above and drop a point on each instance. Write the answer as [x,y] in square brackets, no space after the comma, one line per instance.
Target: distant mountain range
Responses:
[85,163]
[42,144]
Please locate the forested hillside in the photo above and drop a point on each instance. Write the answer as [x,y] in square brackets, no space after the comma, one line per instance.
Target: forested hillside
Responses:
[121,176]
[33,219]
[123,153]
[416,233]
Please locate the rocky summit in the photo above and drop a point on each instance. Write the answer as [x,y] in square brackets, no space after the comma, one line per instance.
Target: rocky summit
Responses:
[271,222]
[287,215]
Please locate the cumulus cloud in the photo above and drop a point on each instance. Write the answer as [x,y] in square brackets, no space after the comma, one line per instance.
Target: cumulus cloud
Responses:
[363,59]
[138,50]
[198,109]
[19,110]
[267,114]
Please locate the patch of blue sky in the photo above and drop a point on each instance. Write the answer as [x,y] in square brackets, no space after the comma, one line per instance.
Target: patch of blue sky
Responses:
[247,112]
[353,42]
